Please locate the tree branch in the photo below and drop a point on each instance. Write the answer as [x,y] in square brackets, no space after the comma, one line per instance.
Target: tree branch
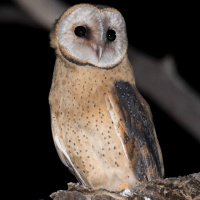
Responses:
[9,14]
[43,12]
[187,187]
[161,82]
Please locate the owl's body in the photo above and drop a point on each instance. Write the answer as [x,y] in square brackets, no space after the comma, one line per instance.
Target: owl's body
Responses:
[102,127]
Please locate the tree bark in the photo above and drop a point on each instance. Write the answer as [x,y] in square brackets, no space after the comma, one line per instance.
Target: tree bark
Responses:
[181,188]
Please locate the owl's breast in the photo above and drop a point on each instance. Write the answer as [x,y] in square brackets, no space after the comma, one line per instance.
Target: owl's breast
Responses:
[95,148]
[88,132]
[92,142]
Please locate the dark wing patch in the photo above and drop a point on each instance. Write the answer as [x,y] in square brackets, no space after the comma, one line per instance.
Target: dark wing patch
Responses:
[139,131]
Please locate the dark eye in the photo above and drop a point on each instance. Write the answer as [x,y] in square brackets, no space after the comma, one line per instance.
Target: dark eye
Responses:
[80,31]
[111,35]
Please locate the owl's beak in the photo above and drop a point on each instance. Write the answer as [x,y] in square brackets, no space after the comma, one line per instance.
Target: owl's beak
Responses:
[99,52]
[98,49]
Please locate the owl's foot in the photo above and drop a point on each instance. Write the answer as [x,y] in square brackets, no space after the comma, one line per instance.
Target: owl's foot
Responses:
[126,193]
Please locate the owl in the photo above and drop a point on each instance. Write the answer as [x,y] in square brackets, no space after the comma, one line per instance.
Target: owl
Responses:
[102,127]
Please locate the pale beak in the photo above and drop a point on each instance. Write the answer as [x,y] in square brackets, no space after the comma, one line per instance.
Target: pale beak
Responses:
[98,49]
[99,52]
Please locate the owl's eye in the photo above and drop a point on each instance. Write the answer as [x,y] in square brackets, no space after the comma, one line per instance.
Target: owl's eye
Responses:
[80,31]
[111,35]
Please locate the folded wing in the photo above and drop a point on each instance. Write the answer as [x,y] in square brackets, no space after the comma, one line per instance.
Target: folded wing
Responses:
[133,124]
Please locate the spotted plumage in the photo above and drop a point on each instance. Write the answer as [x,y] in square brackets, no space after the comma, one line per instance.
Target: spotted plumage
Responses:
[102,127]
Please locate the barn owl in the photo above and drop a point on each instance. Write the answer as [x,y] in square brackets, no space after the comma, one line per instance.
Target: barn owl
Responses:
[102,127]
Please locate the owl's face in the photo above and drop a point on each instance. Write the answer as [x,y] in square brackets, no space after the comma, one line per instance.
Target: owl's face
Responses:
[90,35]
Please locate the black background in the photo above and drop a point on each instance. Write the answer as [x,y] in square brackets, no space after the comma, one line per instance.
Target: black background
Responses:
[27,62]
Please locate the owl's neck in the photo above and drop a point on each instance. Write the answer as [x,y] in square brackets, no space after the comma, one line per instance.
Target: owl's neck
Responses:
[122,69]
[87,78]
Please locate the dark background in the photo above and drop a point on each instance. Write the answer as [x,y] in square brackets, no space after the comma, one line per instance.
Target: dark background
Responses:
[29,155]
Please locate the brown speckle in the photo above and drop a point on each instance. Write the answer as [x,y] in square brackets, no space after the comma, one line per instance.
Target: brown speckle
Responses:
[116,164]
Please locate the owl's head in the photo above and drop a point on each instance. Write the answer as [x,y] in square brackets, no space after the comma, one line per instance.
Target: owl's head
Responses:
[91,35]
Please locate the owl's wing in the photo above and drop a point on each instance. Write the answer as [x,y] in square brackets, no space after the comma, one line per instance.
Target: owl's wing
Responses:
[133,124]
[60,147]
